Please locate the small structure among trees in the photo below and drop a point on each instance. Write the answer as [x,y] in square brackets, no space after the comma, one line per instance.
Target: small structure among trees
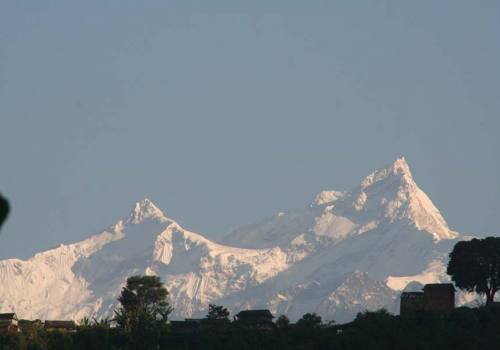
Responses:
[439,297]
[9,323]
[411,303]
[60,326]
[257,319]
[186,326]
[436,298]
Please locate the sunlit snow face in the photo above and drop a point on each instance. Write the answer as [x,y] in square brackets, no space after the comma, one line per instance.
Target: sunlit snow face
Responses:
[328,257]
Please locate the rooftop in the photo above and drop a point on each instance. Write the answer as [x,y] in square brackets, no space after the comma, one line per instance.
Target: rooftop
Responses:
[410,295]
[60,324]
[8,316]
[255,313]
[439,286]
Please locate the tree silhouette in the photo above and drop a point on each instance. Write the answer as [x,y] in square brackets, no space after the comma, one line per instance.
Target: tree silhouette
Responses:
[282,322]
[144,311]
[4,209]
[475,266]
[144,298]
[310,320]
[217,312]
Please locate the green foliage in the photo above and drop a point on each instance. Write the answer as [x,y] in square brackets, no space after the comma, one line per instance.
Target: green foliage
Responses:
[144,311]
[143,300]
[217,312]
[463,329]
[85,322]
[12,341]
[142,297]
[34,333]
[381,315]
[310,320]
[94,336]
[475,266]
[59,340]
[283,322]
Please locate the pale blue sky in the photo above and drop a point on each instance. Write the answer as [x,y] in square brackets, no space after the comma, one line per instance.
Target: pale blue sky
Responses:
[226,112]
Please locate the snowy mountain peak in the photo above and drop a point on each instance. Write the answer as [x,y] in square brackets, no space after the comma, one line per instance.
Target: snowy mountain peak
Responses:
[399,170]
[387,200]
[394,191]
[145,210]
[346,252]
[326,197]
[401,166]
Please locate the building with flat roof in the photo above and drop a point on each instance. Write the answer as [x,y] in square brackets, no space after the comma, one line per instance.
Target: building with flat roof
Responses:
[61,326]
[9,322]
[436,298]
[439,297]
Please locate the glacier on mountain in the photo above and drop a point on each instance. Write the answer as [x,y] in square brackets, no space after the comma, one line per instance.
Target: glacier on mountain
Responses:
[342,254]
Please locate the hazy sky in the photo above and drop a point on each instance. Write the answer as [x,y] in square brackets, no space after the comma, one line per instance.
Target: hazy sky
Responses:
[224,113]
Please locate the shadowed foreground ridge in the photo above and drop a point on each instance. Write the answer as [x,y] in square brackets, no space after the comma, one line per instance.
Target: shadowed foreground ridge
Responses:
[463,329]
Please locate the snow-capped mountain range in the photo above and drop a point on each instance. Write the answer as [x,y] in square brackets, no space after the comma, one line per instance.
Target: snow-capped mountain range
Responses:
[344,253]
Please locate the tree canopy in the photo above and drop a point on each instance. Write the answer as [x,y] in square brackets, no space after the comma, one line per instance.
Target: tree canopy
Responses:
[144,311]
[143,297]
[474,266]
[463,329]
[217,312]
[310,320]
[283,322]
